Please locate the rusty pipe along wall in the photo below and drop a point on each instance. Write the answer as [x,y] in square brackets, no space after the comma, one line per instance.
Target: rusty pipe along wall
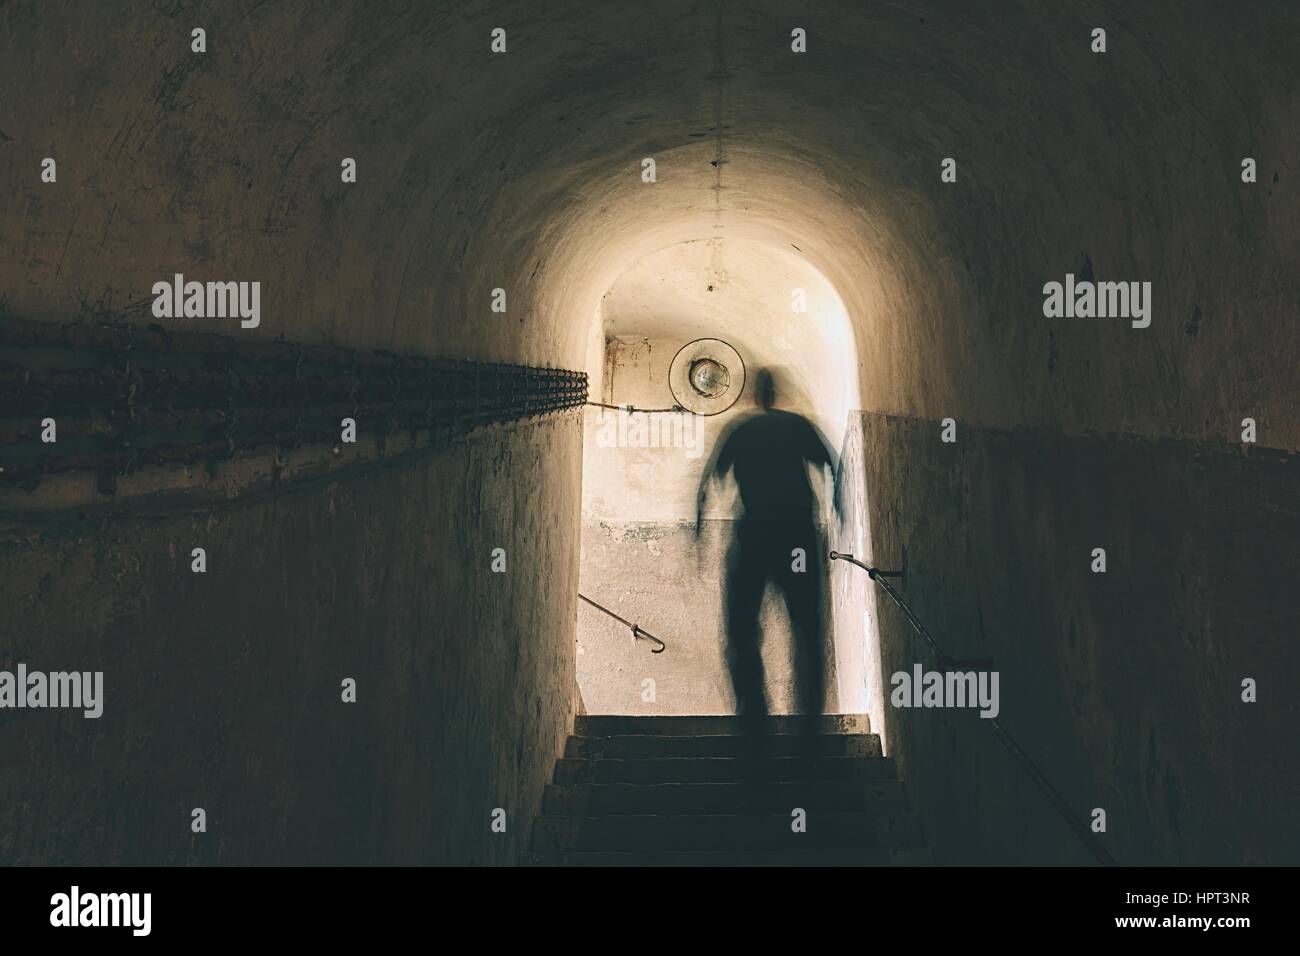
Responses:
[121,398]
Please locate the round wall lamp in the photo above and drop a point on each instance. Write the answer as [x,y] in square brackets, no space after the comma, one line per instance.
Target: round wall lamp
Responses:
[707,376]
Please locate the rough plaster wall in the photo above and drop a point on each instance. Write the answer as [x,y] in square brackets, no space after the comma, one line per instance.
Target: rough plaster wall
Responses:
[222,690]
[1124,687]
[522,172]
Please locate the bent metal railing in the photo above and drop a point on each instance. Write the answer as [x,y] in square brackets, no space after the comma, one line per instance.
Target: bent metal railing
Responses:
[638,632]
[1058,802]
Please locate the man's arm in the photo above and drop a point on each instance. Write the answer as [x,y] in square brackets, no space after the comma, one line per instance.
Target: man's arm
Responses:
[820,454]
[719,464]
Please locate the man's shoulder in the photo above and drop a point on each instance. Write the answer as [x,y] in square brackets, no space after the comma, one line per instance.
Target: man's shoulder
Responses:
[744,423]
[790,420]
[772,420]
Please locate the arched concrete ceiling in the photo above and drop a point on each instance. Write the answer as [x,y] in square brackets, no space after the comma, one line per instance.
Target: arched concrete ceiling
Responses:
[743,293]
[522,171]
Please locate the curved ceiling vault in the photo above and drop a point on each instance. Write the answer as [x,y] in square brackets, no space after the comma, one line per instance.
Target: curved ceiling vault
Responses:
[522,171]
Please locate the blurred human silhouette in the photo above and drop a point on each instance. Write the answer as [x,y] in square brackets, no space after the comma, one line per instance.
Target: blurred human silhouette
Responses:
[770,452]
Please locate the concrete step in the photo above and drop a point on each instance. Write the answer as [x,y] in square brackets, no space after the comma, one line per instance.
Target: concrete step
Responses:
[825,830]
[721,770]
[910,856]
[632,746]
[577,800]
[610,725]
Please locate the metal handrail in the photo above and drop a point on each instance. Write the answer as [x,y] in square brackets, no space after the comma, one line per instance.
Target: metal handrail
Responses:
[1058,802]
[637,630]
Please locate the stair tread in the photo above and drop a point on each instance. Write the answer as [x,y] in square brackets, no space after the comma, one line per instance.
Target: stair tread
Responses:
[631,746]
[789,739]
[723,769]
[731,760]
[605,725]
[735,831]
[720,819]
[592,799]
[911,856]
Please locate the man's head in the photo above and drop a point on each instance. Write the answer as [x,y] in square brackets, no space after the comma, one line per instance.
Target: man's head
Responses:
[765,388]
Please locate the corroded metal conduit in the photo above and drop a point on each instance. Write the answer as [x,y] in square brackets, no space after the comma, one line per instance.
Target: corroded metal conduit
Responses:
[675,409]
[124,397]
[632,409]
[1059,803]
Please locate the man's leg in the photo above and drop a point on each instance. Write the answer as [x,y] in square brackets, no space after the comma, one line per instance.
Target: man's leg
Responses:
[746,579]
[804,592]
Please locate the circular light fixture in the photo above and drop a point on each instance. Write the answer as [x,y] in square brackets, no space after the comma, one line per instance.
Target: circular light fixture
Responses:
[707,376]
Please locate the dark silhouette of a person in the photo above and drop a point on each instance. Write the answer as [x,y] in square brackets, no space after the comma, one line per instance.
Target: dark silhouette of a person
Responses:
[770,453]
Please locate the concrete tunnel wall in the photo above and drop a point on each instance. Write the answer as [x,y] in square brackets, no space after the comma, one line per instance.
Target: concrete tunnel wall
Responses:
[522,172]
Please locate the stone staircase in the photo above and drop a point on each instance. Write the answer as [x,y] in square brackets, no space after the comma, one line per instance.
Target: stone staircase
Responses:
[675,791]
